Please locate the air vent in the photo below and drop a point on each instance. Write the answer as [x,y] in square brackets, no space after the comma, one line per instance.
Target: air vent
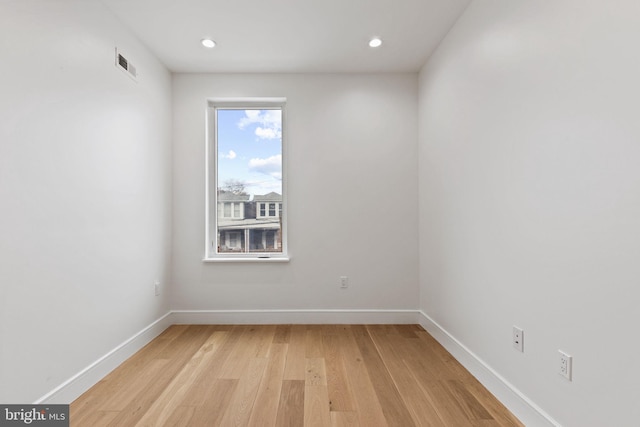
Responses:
[122,61]
[124,64]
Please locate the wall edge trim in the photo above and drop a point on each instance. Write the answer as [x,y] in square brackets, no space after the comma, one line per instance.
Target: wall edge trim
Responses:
[294,316]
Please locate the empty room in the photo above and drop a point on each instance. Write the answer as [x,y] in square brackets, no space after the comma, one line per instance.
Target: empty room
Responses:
[332,213]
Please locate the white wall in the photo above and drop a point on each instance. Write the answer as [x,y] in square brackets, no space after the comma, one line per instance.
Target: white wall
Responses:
[85,191]
[530,201]
[352,195]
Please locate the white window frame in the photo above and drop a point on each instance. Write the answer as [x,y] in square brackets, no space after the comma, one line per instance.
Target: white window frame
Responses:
[211,161]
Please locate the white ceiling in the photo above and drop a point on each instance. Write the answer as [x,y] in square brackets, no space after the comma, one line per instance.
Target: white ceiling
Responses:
[290,36]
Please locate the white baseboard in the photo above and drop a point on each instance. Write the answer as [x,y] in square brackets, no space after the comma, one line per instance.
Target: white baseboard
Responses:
[71,389]
[521,406]
[274,317]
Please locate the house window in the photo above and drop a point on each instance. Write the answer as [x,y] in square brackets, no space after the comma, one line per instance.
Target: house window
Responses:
[230,209]
[269,210]
[246,180]
[233,240]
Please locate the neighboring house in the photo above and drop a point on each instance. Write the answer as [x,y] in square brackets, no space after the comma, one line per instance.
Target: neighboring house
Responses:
[246,225]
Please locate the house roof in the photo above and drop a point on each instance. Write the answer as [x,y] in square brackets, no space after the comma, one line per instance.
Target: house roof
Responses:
[226,196]
[270,197]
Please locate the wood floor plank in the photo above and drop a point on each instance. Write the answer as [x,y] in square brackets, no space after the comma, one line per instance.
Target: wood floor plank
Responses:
[344,419]
[291,406]
[406,331]
[173,395]
[316,406]
[486,423]
[472,408]
[210,372]
[282,334]
[264,339]
[180,417]
[452,368]
[497,410]
[427,366]
[167,344]
[245,349]
[182,348]
[316,374]
[294,368]
[391,348]
[396,413]
[447,408]
[340,394]
[265,408]
[214,403]
[366,401]
[241,404]
[313,343]
[333,329]
[118,381]
[138,383]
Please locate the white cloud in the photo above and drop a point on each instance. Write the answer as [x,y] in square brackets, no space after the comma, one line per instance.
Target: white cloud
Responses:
[267,133]
[271,166]
[269,121]
[231,155]
[252,115]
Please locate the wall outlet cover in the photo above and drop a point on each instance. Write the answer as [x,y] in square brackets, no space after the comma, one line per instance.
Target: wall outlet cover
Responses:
[518,339]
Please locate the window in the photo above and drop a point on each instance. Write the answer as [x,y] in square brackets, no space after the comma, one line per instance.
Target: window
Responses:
[233,240]
[266,210]
[246,191]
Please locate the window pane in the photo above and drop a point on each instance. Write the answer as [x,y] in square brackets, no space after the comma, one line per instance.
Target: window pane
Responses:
[270,240]
[249,178]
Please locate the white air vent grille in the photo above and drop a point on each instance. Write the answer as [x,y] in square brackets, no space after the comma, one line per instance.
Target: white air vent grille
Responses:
[124,64]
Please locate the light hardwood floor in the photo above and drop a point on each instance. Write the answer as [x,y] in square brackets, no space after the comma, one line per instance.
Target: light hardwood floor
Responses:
[290,375]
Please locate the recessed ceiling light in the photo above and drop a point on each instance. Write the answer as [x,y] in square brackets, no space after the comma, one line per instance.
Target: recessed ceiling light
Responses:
[375,42]
[208,43]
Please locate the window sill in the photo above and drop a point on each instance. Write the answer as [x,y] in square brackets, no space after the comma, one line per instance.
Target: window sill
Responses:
[247,259]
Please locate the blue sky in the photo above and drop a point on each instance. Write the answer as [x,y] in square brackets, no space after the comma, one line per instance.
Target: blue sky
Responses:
[250,149]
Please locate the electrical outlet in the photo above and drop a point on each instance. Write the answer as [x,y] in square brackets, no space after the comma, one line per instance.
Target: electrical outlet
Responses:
[565,365]
[518,339]
[156,287]
[344,282]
